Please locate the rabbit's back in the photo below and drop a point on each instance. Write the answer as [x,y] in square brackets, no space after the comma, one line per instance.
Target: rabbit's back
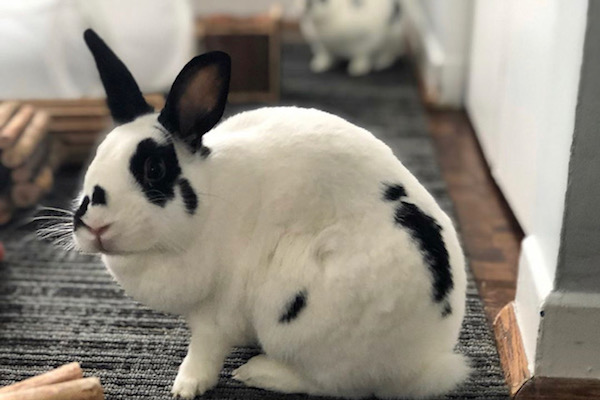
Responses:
[310,162]
[362,269]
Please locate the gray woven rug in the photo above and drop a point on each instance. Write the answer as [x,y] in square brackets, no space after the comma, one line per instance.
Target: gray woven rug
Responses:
[57,306]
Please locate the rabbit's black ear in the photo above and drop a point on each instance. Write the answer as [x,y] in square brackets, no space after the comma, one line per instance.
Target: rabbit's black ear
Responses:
[197,98]
[123,95]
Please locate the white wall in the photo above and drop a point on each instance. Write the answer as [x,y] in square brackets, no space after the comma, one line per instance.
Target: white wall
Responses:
[43,54]
[439,34]
[245,7]
[525,68]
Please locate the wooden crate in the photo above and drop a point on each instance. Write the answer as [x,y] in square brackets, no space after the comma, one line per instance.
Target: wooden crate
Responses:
[78,124]
[254,44]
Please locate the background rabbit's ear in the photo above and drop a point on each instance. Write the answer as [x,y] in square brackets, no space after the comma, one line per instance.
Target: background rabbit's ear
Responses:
[123,95]
[197,98]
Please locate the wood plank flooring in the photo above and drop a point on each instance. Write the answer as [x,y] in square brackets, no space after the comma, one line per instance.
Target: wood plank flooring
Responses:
[491,235]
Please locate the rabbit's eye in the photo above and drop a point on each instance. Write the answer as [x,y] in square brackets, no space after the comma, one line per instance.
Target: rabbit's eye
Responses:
[154,169]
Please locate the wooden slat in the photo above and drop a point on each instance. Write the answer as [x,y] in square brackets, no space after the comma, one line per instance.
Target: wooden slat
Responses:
[510,349]
[78,138]
[490,233]
[251,41]
[542,388]
[79,124]
[154,99]
[58,111]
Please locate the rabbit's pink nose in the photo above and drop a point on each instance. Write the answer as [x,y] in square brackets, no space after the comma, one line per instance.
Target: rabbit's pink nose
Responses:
[98,231]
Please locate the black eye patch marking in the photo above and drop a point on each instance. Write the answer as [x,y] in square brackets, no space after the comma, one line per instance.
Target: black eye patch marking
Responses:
[189,196]
[427,233]
[393,192]
[294,307]
[77,222]
[158,186]
[98,196]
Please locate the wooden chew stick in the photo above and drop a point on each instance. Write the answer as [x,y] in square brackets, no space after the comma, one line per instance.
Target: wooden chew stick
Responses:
[33,165]
[26,194]
[14,127]
[45,179]
[33,135]
[67,372]
[79,389]
[7,109]
[53,157]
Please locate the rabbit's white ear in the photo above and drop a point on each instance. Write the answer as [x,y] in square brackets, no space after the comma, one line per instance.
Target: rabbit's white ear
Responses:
[123,95]
[197,98]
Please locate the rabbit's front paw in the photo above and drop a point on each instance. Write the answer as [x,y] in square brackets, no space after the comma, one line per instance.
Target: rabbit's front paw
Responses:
[190,383]
[321,62]
[359,66]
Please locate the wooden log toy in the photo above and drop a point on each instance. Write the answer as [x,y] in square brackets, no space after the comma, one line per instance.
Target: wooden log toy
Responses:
[7,109]
[25,173]
[15,126]
[30,139]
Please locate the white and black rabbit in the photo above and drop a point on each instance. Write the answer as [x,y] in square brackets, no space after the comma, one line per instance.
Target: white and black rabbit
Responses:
[368,33]
[285,226]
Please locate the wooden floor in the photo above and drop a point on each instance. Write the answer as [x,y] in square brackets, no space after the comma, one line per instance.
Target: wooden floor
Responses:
[489,230]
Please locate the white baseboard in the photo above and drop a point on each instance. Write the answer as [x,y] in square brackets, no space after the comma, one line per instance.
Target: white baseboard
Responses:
[569,340]
[533,287]
[442,74]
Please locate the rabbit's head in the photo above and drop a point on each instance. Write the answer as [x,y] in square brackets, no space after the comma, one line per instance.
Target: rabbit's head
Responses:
[136,196]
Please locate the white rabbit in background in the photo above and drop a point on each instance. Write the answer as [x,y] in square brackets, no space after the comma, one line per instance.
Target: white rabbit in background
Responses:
[288,227]
[368,33]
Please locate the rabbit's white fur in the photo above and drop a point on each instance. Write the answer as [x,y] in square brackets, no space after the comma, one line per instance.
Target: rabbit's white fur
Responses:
[290,200]
[368,33]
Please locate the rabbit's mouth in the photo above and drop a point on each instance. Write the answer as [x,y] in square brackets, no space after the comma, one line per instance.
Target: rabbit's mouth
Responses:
[101,239]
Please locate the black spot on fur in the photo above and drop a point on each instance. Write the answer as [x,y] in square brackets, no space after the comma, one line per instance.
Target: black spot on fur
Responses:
[393,192]
[189,196]
[427,233]
[396,12]
[294,307]
[77,222]
[98,196]
[204,152]
[447,310]
[158,186]
[357,3]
